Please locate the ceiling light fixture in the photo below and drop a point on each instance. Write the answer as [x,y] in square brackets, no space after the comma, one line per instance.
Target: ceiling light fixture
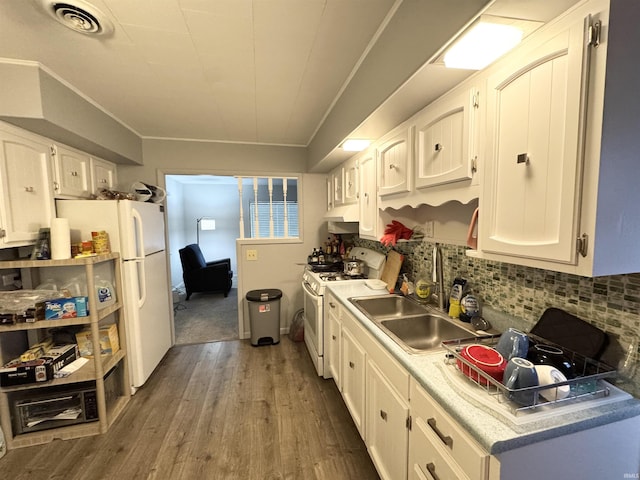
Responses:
[486,40]
[355,144]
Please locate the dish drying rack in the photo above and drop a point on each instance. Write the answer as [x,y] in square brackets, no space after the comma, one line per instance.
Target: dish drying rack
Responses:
[588,382]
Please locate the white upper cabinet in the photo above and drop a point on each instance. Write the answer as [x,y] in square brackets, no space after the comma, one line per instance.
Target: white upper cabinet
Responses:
[368,203]
[103,175]
[446,139]
[395,161]
[26,202]
[531,186]
[337,185]
[350,187]
[558,191]
[71,172]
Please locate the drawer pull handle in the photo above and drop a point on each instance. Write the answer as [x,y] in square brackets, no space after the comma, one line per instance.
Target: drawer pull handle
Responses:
[446,439]
[431,468]
[332,305]
[438,147]
[333,337]
[29,189]
[383,415]
[352,365]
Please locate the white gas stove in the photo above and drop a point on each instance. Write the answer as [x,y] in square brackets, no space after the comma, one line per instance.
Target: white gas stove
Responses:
[313,286]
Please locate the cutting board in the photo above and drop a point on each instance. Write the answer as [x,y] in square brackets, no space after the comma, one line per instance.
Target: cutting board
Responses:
[391,270]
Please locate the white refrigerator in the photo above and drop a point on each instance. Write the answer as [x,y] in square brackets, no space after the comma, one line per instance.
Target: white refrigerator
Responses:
[136,231]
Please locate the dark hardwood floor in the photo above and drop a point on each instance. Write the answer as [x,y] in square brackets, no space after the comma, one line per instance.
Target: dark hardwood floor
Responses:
[223,410]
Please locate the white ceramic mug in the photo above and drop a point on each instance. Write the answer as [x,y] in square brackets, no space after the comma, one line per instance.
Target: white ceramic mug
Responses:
[550,375]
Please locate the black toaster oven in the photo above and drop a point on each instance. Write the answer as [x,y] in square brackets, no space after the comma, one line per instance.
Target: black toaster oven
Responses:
[53,407]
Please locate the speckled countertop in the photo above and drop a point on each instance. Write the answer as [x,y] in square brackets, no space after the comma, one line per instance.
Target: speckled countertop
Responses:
[480,414]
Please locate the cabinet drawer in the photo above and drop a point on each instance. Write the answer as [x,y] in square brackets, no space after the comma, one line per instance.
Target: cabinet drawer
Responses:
[428,457]
[447,434]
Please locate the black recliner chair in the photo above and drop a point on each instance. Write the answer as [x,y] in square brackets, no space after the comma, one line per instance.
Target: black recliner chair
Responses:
[202,276]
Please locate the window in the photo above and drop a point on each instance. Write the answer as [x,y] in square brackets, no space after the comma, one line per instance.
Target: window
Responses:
[263,227]
[268,207]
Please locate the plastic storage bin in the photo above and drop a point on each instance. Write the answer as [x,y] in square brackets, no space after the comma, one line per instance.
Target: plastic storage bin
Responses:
[264,316]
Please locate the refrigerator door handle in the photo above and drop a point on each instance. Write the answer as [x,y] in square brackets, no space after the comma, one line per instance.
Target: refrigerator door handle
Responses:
[139,235]
[142,282]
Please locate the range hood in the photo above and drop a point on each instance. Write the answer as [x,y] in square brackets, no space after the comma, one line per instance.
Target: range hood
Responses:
[343,213]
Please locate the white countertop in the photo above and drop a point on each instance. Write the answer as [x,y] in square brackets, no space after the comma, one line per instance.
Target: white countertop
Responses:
[476,413]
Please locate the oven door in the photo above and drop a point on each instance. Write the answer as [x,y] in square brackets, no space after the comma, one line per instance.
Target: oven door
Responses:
[313,330]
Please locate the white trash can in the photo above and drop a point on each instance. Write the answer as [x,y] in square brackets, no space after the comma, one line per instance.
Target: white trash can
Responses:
[264,316]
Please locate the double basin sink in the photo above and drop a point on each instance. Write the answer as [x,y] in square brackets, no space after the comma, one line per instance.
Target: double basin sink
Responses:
[415,327]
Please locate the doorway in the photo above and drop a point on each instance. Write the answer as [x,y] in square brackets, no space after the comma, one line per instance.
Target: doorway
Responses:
[203,209]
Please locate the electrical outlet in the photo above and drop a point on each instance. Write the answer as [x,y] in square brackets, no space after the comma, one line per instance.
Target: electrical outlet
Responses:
[252,255]
[428,229]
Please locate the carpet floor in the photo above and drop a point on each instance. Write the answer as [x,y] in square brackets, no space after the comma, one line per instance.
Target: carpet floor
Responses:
[207,317]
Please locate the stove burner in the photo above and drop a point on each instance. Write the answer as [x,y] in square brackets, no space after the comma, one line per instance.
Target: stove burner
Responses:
[339,276]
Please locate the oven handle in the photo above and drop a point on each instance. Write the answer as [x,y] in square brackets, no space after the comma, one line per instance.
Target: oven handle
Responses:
[307,289]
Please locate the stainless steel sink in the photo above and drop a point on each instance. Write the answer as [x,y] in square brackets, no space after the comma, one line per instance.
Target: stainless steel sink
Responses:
[416,328]
[387,306]
[424,332]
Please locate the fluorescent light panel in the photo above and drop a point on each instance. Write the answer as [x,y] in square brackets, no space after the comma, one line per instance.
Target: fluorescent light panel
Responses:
[486,40]
[355,144]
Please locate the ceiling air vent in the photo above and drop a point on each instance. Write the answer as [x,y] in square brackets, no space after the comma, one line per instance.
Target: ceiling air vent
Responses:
[79,16]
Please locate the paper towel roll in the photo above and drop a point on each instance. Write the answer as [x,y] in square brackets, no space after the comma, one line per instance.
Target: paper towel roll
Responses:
[60,239]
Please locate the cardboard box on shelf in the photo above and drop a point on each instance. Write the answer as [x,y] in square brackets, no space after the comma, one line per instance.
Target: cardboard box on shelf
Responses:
[42,369]
[58,308]
[109,341]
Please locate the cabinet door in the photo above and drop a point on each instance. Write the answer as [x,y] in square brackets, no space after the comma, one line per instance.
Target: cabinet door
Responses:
[333,345]
[395,159]
[103,175]
[350,187]
[353,379]
[368,226]
[532,186]
[337,181]
[27,197]
[446,140]
[71,172]
[387,434]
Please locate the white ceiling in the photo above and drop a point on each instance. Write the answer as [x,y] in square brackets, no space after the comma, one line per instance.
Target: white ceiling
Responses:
[250,71]
[263,71]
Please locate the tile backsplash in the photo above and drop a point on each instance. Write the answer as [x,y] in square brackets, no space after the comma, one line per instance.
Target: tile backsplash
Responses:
[610,303]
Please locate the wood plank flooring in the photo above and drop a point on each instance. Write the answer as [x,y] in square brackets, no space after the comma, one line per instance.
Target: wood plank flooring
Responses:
[223,410]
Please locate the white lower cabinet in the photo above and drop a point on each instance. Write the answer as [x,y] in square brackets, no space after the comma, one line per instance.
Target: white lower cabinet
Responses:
[438,448]
[387,414]
[333,341]
[353,378]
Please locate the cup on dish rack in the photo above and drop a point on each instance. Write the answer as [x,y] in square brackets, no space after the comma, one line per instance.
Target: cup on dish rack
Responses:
[542,354]
[549,375]
[520,373]
[513,343]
